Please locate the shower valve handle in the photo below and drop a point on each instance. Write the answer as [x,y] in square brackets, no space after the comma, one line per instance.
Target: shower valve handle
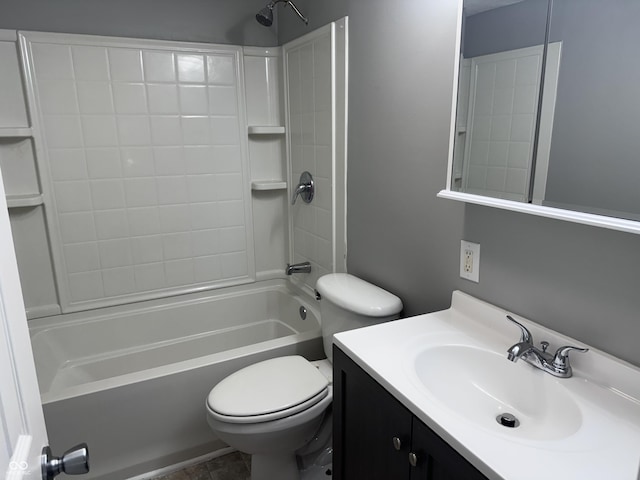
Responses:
[305,189]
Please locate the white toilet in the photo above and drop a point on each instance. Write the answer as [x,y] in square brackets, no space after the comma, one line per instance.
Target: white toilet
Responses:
[274,408]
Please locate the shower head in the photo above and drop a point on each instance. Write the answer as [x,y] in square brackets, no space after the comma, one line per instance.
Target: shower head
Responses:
[265,16]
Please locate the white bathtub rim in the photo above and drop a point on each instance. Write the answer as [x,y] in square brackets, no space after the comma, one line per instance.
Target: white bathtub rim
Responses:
[42,326]
[177,367]
[174,341]
[38,326]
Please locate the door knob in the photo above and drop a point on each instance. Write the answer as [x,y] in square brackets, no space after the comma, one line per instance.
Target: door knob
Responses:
[74,461]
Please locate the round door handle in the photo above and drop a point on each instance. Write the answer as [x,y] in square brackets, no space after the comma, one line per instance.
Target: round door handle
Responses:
[74,461]
[413,459]
[397,444]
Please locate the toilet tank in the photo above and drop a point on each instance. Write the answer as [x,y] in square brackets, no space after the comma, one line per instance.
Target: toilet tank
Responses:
[348,302]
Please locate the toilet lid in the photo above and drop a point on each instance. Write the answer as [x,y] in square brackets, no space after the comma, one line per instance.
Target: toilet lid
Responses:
[264,388]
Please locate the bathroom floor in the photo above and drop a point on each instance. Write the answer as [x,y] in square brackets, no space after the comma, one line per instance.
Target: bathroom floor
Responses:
[234,466]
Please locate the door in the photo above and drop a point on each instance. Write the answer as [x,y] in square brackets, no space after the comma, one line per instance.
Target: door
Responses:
[23,434]
[21,419]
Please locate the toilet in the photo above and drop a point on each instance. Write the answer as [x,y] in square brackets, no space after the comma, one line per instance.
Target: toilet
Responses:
[274,408]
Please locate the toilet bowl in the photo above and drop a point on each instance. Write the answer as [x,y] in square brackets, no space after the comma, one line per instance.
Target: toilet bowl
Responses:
[274,408]
[269,410]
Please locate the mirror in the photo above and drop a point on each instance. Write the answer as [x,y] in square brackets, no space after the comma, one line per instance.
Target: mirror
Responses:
[547,112]
[594,163]
[501,65]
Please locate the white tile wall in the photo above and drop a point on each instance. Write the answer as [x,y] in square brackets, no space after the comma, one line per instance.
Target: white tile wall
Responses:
[13,113]
[504,92]
[309,80]
[265,107]
[262,87]
[148,176]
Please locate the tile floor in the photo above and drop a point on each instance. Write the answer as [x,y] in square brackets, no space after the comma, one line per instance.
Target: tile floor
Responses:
[234,466]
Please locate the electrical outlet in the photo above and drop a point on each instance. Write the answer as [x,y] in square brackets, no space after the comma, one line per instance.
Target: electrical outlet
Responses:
[470,261]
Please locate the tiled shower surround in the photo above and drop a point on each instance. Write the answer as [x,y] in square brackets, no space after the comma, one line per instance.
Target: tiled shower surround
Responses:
[315,133]
[310,105]
[166,167]
[148,170]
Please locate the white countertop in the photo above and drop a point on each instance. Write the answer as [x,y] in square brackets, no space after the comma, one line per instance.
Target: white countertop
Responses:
[606,391]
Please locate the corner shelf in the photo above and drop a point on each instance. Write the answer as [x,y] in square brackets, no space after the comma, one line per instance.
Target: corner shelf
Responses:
[19,132]
[265,130]
[264,185]
[27,200]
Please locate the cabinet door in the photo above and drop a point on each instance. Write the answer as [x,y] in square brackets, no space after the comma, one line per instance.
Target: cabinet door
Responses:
[436,459]
[366,420]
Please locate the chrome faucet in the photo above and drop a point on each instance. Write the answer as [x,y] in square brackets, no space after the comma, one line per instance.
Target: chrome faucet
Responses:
[557,365]
[304,267]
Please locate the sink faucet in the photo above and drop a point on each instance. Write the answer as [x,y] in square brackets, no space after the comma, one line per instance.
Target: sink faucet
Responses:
[557,365]
[304,267]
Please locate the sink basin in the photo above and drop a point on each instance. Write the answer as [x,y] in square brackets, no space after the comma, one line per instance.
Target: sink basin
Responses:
[481,385]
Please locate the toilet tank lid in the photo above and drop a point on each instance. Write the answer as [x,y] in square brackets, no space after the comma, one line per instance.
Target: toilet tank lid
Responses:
[356,295]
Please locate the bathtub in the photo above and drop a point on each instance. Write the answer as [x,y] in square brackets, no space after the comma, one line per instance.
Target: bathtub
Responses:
[131,381]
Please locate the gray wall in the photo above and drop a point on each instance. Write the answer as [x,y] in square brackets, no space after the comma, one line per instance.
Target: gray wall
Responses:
[579,280]
[319,14]
[576,279]
[516,26]
[595,144]
[214,21]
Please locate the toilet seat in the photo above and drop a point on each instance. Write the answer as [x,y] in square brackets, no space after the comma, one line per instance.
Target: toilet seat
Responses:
[268,390]
[279,415]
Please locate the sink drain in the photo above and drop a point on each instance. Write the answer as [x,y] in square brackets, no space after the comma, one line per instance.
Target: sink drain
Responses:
[508,420]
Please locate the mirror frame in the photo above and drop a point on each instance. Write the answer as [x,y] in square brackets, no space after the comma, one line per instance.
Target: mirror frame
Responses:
[590,219]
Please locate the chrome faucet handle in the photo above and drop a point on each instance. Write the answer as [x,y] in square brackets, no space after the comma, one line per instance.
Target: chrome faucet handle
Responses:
[305,189]
[525,335]
[561,358]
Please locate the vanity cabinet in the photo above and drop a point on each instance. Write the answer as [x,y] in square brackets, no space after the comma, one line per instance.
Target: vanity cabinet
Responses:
[377,438]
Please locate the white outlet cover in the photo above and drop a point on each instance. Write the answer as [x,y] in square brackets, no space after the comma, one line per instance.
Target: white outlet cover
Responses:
[474,273]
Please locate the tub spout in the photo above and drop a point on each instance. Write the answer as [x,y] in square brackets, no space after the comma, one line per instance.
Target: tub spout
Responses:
[304,267]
